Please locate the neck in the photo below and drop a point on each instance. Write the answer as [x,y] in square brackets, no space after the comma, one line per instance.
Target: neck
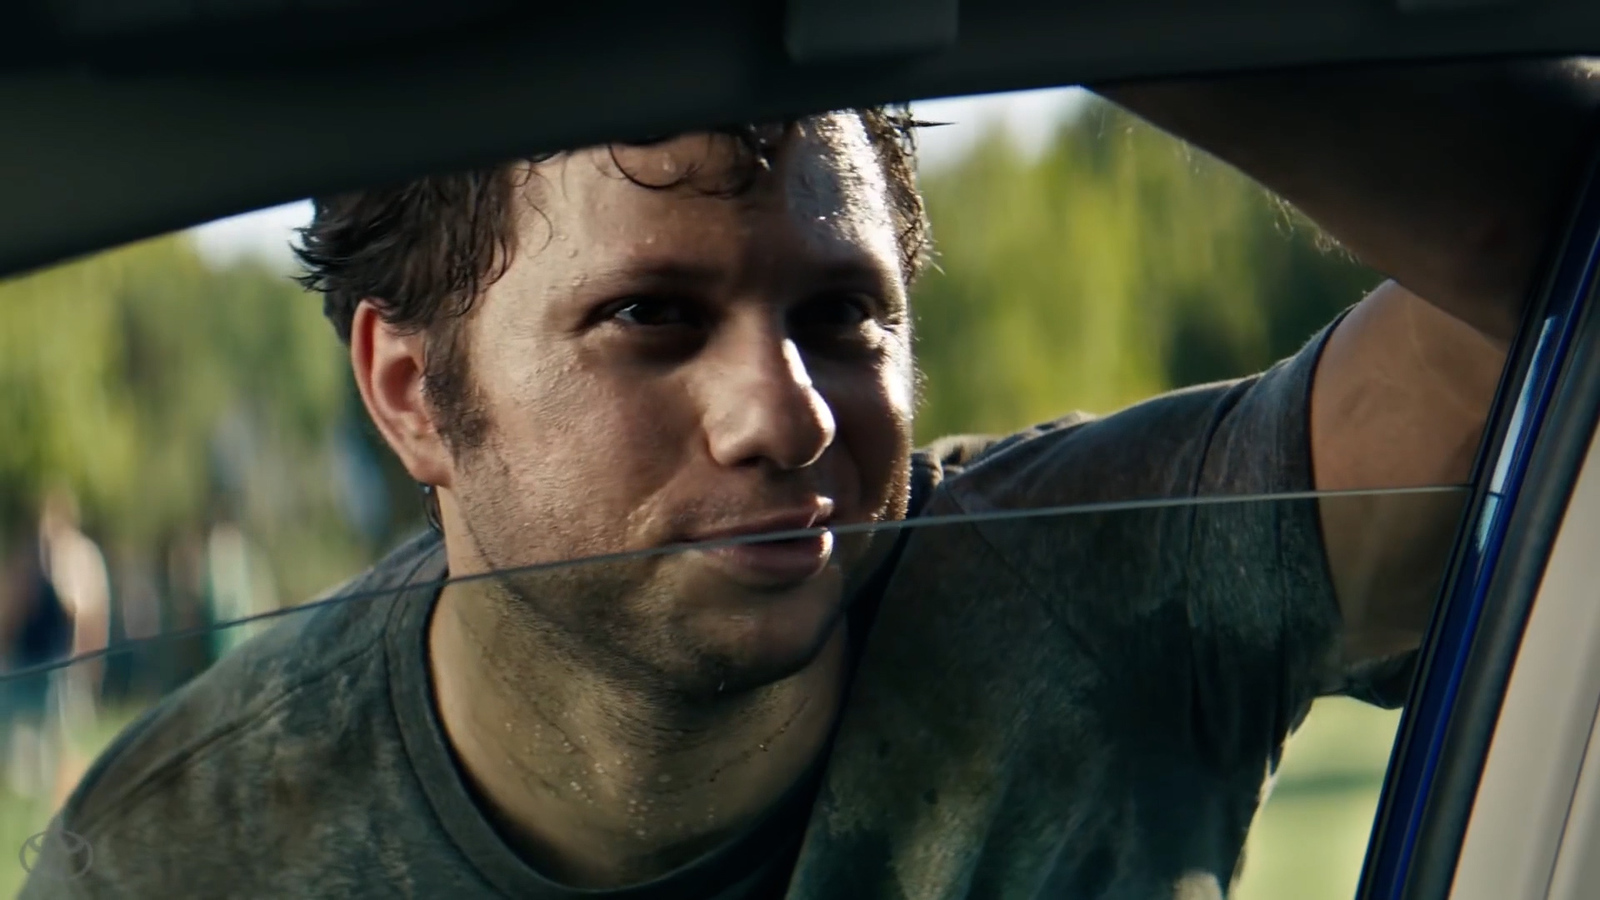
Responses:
[602,783]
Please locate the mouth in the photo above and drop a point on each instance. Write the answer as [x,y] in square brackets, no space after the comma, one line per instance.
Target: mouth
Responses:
[774,551]
[772,564]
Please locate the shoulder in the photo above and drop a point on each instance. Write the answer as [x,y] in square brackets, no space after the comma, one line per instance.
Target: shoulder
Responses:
[1241,436]
[252,748]
[948,457]
[1136,453]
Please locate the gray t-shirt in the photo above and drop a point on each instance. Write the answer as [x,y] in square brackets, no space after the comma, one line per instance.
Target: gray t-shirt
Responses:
[1080,706]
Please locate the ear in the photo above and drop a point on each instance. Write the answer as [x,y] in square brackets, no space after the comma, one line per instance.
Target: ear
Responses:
[388,365]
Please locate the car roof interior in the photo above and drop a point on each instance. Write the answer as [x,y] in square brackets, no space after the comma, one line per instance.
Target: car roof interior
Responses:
[124,120]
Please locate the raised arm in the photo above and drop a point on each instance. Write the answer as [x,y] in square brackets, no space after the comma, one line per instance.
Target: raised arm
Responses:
[1451,180]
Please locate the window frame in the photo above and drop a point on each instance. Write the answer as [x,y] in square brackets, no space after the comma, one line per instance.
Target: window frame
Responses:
[1543,418]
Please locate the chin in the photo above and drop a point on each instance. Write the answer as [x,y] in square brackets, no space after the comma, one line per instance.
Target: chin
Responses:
[748,639]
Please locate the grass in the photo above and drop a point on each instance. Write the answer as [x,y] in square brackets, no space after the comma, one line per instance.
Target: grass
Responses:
[1307,844]
[1310,839]
[23,817]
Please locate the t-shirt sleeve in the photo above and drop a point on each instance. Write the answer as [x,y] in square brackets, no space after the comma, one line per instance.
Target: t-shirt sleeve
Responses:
[1177,542]
[1262,447]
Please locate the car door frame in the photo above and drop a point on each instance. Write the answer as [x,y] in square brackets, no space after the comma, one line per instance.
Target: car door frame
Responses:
[1535,448]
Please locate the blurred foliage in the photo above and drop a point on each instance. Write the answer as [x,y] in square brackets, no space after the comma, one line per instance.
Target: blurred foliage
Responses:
[168,395]
[1118,264]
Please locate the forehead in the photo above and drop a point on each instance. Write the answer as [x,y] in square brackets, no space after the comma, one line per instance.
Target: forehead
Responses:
[824,196]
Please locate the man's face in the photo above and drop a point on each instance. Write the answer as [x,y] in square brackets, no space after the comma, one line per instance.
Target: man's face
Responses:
[661,366]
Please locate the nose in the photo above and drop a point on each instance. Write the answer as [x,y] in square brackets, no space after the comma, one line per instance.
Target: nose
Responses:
[762,407]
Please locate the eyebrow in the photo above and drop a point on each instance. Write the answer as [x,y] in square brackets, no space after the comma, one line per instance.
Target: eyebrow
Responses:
[860,274]
[663,273]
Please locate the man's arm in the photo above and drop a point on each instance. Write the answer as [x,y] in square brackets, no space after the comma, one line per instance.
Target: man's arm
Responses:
[1450,180]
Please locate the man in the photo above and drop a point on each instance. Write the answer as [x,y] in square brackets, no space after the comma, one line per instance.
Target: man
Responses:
[621,350]
[38,631]
[238,585]
[65,594]
[77,570]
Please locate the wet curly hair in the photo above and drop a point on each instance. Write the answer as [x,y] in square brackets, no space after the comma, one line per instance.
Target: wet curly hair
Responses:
[426,249]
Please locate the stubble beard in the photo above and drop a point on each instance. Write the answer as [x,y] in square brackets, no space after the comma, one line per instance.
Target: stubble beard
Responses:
[619,619]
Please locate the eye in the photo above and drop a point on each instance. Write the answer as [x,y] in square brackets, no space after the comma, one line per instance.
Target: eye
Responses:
[833,313]
[656,312]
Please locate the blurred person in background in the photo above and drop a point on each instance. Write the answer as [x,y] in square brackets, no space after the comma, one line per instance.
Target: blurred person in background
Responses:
[75,568]
[186,608]
[58,607]
[133,675]
[36,629]
[238,585]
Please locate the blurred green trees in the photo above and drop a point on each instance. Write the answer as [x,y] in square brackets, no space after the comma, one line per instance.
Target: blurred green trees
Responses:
[1118,264]
[167,395]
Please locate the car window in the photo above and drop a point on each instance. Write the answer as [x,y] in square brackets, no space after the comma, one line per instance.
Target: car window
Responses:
[1092,577]
[935,644]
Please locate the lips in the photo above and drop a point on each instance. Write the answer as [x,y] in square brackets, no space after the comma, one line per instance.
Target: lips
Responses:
[815,516]
[777,562]
[774,564]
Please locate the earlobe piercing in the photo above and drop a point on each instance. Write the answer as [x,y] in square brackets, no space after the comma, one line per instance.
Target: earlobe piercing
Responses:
[430,507]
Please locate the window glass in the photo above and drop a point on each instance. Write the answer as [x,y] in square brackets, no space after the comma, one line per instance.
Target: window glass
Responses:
[1046,754]
[1108,532]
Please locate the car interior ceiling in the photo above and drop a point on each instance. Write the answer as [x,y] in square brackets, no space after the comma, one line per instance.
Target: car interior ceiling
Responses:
[131,131]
